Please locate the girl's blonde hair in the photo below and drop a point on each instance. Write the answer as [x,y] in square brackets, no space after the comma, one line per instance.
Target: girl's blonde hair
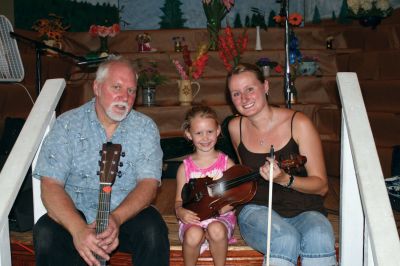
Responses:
[201,111]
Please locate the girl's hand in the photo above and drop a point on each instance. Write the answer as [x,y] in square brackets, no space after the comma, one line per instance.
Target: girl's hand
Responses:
[279,176]
[225,209]
[187,216]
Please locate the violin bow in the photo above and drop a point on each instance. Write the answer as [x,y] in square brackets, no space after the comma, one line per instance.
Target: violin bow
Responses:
[271,182]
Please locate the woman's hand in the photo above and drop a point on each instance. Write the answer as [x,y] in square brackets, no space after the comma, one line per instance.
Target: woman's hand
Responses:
[279,176]
[187,216]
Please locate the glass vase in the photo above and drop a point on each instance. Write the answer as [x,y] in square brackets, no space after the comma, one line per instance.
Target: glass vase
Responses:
[213,27]
[149,96]
[103,45]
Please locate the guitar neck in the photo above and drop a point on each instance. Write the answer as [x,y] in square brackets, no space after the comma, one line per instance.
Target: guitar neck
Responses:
[103,211]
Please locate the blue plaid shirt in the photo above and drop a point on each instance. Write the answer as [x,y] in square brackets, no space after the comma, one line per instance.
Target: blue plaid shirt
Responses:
[70,154]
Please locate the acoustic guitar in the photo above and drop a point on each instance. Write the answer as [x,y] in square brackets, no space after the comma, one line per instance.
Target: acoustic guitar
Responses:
[238,185]
[110,155]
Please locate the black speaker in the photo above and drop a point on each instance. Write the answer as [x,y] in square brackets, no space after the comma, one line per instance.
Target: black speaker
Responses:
[396,161]
[21,214]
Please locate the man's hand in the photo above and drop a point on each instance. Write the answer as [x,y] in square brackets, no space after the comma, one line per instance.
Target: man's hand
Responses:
[108,239]
[86,243]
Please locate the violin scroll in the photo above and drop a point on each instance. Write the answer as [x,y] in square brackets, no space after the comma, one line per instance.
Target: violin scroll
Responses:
[295,161]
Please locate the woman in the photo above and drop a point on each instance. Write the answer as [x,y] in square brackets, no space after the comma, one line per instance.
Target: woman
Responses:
[299,225]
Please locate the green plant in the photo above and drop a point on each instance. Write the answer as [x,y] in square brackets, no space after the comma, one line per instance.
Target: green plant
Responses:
[149,75]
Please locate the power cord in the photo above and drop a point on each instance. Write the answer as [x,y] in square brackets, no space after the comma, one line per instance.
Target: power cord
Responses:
[27,92]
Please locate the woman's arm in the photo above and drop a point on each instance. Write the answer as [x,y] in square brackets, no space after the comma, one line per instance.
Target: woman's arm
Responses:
[308,139]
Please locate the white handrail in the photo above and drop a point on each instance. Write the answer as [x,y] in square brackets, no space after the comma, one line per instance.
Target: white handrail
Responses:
[361,174]
[21,156]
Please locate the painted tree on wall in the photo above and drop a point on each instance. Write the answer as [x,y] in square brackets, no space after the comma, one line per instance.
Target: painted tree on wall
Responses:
[172,18]
[237,23]
[317,17]
[78,15]
[271,20]
[343,18]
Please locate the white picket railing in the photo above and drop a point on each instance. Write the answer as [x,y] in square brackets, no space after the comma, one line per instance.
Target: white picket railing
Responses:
[21,156]
[368,233]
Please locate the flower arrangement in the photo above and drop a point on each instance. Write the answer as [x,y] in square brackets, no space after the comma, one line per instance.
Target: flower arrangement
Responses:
[295,19]
[51,28]
[369,8]
[192,70]
[215,11]
[264,61]
[104,31]
[149,75]
[143,38]
[230,50]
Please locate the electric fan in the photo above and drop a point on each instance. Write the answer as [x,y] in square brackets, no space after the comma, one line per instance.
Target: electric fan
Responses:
[11,68]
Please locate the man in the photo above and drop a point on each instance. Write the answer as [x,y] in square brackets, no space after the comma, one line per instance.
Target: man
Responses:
[68,165]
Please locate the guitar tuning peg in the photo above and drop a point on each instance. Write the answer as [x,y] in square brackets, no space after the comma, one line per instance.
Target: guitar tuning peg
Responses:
[100,153]
[98,173]
[99,163]
[123,154]
[119,174]
[121,164]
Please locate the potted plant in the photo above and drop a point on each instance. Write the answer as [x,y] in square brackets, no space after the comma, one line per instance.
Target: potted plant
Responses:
[369,13]
[266,65]
[149,77]
[308,66]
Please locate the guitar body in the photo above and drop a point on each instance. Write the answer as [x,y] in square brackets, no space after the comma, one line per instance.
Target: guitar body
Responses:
[206,196]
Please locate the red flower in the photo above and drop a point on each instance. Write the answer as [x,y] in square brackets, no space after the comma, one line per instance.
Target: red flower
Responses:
[231,49]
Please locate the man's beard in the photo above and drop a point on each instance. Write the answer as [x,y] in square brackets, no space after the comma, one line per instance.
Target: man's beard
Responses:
[116,116]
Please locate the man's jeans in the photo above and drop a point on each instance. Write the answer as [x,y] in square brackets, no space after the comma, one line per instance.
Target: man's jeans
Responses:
[309,235]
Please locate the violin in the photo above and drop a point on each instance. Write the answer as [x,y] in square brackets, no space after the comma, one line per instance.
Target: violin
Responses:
[238,185]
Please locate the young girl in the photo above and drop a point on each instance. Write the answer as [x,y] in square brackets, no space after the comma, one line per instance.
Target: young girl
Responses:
[202,128]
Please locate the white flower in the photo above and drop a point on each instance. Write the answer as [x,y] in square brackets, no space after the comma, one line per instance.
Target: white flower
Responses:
[354,5]
[366,4]
[383,5]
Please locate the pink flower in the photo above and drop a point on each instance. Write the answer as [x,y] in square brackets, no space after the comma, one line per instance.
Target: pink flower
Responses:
[103,31]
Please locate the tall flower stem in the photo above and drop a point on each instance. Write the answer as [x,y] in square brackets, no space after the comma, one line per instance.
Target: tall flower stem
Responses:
[213,27]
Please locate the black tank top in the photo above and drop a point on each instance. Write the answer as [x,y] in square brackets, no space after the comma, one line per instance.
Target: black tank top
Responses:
[285,201]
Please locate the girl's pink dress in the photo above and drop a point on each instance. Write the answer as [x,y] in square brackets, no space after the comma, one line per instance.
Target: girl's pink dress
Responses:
[214,171]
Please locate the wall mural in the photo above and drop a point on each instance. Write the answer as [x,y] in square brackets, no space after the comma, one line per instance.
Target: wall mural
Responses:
[156,14]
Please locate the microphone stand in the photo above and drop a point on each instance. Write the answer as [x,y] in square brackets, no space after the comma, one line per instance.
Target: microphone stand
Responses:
[40,46]
[287,78]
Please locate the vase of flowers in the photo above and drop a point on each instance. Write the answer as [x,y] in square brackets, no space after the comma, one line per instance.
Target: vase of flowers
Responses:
[189,71]
[231,48]
[50,31]
[149,78]
[103,33]
[295,56]
[215,11]
[369,12]
[266,65]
